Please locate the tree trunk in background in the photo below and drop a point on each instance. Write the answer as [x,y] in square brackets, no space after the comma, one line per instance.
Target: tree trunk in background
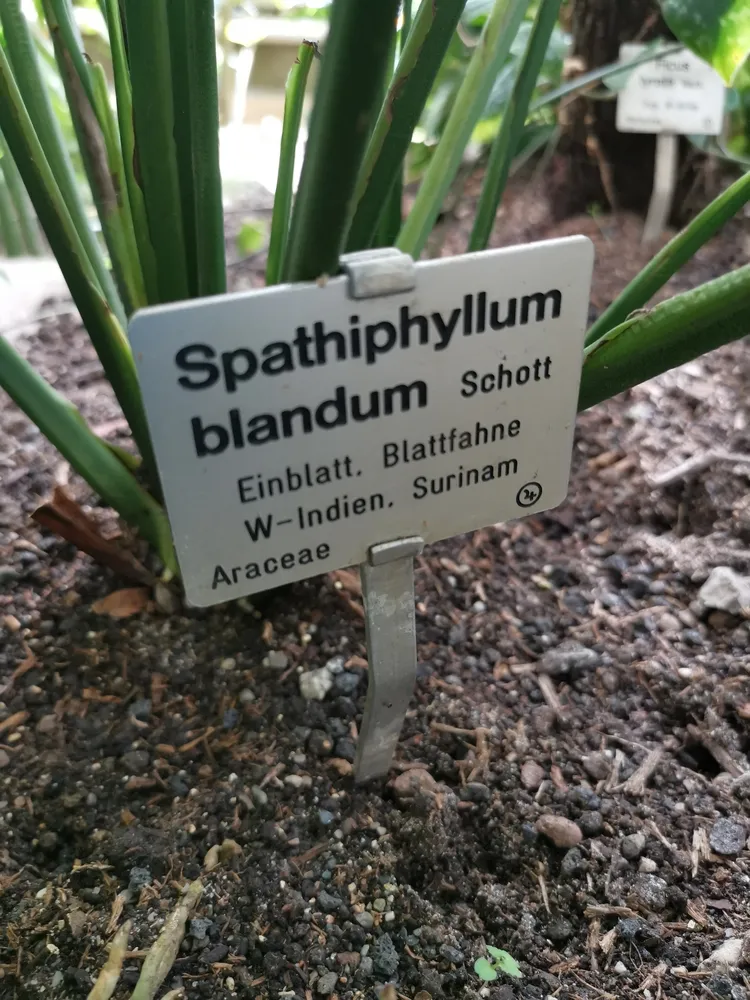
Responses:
[596,162]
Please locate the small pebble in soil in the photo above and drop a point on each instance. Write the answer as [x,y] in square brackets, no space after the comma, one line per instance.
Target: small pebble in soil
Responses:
[475,791]
[247,697]
[633,846]
[4,758]
[650,891]
[567,657]
[597,766]
[314,685]
[453,955]
[346,682]
[365,920]
[135,761]
[384,957]
[277,660]
[260,798]
[141,709]
[591,822]
[139,879]
[559,929]
[571,863]
[561,831]
[328,902]
[727,836]
[532,775]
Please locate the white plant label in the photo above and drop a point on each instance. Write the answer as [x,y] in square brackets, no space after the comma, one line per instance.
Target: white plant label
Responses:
[294,427]
[678,93]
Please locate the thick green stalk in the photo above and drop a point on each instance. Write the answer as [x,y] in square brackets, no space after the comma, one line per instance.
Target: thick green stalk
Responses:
[296,87]
[506,141]
[22,55]
[673,332]
[124,95]
[101,324]
[84,110]
[417,68]
[192,36]
[10,234]
[353,67]
[672,257]
[121,239]
[27,224]
[490,53]
[156,168]
[63,425]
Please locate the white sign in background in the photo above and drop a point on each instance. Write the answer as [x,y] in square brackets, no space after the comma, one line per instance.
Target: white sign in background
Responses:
[678,93]
[295,427]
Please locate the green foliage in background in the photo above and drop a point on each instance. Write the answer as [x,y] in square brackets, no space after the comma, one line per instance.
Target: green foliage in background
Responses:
[404,89]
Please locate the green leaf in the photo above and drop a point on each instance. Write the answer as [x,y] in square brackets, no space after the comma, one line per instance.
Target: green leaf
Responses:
[192,37]
[486,60]
[157,170]
[10,235]
[507,139]
[124,95]
[296,87]
[412,82]
[672,257]
[716,30]
[251,237]
[673,332]
[88,120]
[27,223]
[485,970]
[23,57]
[354,64]
[102,325]
[505,962]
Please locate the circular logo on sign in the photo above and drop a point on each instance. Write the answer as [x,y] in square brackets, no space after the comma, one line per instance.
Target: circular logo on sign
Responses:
[528,495]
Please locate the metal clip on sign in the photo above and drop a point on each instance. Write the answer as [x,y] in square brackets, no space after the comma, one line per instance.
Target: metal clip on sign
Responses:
[388,575]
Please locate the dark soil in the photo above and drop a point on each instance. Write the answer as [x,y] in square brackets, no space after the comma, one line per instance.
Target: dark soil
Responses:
[557,655]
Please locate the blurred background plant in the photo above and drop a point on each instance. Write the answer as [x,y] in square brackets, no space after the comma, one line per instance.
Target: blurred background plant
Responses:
[111,115]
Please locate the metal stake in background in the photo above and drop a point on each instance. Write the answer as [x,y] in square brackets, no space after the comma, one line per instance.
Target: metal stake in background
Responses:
[388,575]
[388,591]
[665,181]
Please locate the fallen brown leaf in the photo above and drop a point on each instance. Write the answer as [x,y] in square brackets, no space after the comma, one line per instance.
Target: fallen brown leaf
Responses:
[122,603]
[62,515]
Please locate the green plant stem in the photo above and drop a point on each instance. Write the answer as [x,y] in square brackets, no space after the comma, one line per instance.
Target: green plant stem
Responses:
[672,257]
[26,220]
[490,53]
[101,323]
[353,67]
[192,34]
[63,425]
[10,234]
[158,172]
[415,74]
[506,141]
[22,55]
[122,241]
[89,128]
[673,332]
[136,201]
[296,87]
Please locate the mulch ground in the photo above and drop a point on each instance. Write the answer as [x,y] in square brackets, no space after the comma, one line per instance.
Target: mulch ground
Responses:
[571,784]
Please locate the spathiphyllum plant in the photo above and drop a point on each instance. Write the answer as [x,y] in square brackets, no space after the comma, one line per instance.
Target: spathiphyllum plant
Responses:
[149,147]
